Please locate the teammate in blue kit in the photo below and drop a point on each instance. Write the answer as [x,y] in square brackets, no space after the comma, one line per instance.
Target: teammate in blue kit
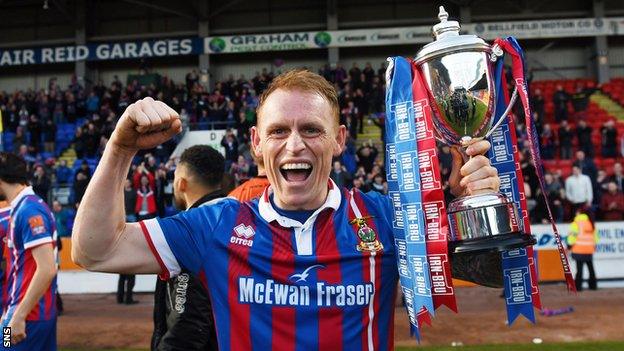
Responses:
[307,266]
[31,262]
[5,213]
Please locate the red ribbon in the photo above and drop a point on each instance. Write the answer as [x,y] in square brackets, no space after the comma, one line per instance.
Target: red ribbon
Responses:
[436,220]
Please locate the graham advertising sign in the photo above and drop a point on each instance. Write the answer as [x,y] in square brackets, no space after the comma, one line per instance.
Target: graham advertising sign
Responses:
[316,40]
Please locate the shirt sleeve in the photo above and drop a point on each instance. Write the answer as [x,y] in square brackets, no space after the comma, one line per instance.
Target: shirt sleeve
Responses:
[185,239]
[35,226]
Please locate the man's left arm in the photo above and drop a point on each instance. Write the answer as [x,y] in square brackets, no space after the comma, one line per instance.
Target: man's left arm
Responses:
[44,273]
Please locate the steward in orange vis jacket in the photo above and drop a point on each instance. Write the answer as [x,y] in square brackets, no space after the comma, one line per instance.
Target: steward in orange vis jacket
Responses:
[583,238]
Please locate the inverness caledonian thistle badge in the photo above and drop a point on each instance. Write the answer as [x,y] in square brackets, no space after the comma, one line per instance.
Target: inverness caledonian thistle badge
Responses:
[367,236]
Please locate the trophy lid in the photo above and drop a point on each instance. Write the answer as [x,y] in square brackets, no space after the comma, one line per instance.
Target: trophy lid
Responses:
[448,40]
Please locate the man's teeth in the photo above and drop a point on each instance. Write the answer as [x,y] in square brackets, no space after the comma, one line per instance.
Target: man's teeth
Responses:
[291,166]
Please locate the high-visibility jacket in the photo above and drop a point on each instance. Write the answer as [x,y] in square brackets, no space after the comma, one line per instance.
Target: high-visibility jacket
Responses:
[583,236]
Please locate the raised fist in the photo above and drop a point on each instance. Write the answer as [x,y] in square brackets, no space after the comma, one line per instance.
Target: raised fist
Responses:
[145,124]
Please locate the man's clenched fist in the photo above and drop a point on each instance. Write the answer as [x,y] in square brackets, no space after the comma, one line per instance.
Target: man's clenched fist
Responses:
[145,124]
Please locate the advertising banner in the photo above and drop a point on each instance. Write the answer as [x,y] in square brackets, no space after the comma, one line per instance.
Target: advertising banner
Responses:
[555,28]
[316,40]
[609,256]
[101,51]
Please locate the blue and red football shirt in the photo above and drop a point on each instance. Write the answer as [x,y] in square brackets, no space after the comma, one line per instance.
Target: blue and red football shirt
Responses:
[5,213]
[31,225]
[277,283]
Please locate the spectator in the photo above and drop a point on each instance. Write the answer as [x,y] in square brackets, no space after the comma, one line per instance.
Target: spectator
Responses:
[79,143]
[340,176]
[230,144]
[34,128]
[580,99]
[61,218]
[609,139]
[379,185]
[537,103]
[143,170]
[556,195]
[355,74]
[84,169]
[602,181]
[349,117]
[240,170]
[93,103]
[63,173]
[145,205]
[41,183]
[584,135]
[560,99]
[586,165]
[547,142]
[340,75]
[162,182]
[366,156]
[618,176]
[565,140]
[612,204]
[579,190]
[49,137]
[80,186]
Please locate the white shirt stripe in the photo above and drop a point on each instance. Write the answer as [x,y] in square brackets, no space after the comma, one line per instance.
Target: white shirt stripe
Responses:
[162,247]
[34,243]
[371,258]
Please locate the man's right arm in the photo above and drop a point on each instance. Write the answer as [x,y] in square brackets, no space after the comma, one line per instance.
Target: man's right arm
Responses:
[101,239]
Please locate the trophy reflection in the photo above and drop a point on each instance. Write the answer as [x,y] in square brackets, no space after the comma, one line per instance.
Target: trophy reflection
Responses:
[458,73]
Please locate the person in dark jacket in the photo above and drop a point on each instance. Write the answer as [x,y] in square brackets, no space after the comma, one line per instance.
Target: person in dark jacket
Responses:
[584,135]
[182,310]
[560,100]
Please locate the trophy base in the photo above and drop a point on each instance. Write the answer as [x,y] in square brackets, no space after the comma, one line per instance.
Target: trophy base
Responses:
[479,261]
[498,243]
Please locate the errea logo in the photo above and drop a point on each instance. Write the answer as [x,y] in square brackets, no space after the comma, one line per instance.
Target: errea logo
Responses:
[243,235]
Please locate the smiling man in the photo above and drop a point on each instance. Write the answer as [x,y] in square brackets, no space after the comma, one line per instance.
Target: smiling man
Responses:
[306,266]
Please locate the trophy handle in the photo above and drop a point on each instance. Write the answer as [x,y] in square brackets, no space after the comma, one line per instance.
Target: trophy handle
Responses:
[505,113]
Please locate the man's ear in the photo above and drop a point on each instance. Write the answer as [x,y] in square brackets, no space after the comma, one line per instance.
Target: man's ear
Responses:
[341,137]
[255,142]
[182,185]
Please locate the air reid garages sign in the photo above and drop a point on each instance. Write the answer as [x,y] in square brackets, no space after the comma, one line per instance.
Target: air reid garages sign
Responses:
[316,40]
[101,51]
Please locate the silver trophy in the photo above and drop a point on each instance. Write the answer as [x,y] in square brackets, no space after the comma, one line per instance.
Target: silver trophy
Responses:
[458,73]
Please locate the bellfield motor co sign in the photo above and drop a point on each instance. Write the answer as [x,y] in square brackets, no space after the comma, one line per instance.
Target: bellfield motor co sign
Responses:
[557,28]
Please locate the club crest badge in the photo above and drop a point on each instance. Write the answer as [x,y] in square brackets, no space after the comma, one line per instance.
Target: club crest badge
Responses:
[367,236]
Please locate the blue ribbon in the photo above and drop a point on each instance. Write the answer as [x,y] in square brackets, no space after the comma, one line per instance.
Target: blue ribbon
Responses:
[515,263]
[404,190]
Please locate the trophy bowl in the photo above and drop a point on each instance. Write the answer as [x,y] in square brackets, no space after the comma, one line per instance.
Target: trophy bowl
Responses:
[458,74]
[462,91]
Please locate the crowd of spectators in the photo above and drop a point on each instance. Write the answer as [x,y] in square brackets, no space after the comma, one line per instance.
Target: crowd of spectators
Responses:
[34,116]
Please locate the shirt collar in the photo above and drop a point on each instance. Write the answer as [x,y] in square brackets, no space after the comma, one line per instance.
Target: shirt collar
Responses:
[208,197]
[25,192]
[269,214]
